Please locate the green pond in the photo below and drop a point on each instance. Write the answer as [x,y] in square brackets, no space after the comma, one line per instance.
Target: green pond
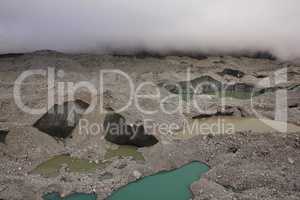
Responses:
[124,151]
[51,167]
[165,185]
[219,125]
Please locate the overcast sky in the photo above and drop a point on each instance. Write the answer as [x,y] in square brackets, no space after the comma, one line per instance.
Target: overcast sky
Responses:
[159,25]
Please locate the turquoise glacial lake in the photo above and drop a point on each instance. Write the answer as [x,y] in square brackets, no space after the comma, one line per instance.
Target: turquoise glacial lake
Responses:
[164,185]
[161,186]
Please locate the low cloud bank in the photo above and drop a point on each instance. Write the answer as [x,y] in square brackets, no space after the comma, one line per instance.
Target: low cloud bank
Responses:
[158,26]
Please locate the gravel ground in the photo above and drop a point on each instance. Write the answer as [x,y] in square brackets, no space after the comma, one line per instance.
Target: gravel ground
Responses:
[245,165]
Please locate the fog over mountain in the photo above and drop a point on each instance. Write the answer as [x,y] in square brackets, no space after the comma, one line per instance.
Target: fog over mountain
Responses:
[206,26]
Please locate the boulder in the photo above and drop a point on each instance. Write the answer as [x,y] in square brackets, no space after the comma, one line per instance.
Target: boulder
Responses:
[140,138]
[3,134]
[116,129]
[119,132]
[61,120]
[203,84]
[232,72]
